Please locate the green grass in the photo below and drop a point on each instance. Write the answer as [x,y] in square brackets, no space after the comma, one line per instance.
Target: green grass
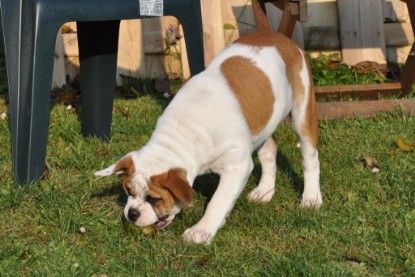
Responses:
[366,226]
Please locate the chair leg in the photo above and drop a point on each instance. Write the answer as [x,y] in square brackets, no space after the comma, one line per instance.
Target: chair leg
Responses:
[192,28]
[30,79]
[98,47]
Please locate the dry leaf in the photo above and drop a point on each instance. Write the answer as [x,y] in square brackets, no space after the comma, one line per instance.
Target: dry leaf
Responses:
[404,146]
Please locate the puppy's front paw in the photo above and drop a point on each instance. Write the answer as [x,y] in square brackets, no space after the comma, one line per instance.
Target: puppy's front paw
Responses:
[197,235]
[260,195]
[312,201]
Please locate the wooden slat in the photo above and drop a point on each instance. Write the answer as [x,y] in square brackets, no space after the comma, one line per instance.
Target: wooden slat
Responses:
[59,74]
[326,37]
[212,28]
[361,31]
[130,50]
[369,91]
[275,16]
[332,110]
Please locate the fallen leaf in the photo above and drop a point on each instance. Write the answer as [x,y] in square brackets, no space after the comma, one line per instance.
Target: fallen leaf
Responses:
[404,146]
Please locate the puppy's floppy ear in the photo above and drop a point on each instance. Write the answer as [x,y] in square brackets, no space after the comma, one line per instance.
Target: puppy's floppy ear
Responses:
[177,183]
[123,166]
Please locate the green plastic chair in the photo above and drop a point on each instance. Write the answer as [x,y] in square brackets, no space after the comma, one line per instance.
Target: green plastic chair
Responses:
[29,31]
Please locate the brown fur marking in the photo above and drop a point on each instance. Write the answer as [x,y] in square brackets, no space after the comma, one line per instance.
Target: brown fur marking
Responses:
[293,59]
[127,166]
[171,187]
[289,52]
[252,88]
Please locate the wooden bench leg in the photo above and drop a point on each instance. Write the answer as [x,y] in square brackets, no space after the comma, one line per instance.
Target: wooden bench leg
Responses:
[291,13]
[408,71]
[407,77]
[289,18]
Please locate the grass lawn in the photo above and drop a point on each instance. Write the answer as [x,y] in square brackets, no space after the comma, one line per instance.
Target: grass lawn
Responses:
[366,226]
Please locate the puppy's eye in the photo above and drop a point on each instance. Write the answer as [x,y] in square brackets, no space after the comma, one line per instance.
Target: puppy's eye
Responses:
[152,200]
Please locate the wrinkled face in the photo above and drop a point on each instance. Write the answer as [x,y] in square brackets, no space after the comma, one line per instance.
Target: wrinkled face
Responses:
[155,201]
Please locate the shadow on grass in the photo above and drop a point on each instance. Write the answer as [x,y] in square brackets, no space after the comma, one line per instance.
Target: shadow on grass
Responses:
[114,189]
[207,184]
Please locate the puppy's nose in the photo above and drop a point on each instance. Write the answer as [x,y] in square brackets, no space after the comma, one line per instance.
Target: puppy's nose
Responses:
[133,214]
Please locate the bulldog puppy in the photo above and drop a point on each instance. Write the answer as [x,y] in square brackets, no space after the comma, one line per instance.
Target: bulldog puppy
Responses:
[214,124]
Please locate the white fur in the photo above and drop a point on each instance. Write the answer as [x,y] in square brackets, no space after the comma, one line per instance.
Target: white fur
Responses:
[203,130]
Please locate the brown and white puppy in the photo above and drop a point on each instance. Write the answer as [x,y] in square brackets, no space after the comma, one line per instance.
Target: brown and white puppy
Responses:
[214,124]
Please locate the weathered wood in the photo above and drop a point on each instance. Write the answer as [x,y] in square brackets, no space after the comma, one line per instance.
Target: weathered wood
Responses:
[184,58]
[361,31]
[368,91]
[327,38]
[332,110]
[130,54]
[59,74]
[212,28]
[398,34]
[289,18]
[275,17]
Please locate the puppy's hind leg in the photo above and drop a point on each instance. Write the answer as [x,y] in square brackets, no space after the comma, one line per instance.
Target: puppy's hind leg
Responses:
[305,123]
[267,155]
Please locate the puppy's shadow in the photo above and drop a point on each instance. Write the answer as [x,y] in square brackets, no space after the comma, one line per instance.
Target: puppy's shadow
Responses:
[285,165]
[114,189]
[207,184]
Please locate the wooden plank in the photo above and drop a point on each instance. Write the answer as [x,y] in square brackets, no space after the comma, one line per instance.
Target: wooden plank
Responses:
[185,60]
[130,50]
[332,110]
[238,13]
[326,37]
[398,34]
[368,91]
[59,74]
[361,31]
[212,28]
[397,11]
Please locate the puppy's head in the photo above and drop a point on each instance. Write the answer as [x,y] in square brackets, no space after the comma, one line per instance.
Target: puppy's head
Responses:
[155,200]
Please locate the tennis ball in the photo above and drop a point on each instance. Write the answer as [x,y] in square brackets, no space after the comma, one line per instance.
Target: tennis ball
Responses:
[136,230]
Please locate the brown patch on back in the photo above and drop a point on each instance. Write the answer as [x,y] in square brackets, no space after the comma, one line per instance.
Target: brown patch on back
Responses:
[289,52]
[293,59]
[253,90]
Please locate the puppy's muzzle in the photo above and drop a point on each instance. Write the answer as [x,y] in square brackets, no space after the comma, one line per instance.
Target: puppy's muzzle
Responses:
[133,214]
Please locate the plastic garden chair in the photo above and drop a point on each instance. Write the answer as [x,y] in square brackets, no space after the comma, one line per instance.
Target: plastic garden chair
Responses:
[29,30]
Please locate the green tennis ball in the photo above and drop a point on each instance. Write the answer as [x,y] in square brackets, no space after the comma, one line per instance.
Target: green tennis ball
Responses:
[136,230]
